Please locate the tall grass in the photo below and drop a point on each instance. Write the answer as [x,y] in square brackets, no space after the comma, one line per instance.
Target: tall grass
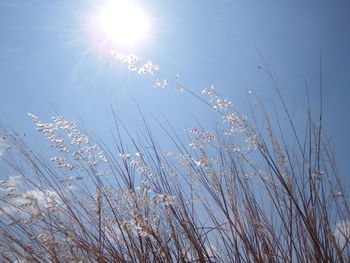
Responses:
[248,192]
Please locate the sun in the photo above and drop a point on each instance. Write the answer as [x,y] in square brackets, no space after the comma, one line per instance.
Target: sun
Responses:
[123,22]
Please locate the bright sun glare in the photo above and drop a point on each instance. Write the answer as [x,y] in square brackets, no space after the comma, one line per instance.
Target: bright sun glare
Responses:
[123,22]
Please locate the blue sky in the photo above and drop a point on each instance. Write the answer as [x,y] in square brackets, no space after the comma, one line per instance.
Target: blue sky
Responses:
[49,64]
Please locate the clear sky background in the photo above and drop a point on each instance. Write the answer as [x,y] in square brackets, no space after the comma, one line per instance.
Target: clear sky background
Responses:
[50,62]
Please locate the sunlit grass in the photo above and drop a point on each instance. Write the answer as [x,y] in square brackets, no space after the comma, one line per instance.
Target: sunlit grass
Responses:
[241,192]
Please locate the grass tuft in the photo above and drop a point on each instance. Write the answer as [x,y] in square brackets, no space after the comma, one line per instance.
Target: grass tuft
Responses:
[248,192]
